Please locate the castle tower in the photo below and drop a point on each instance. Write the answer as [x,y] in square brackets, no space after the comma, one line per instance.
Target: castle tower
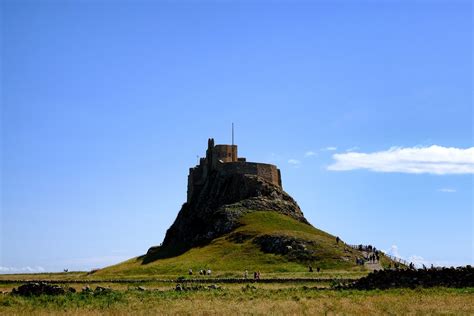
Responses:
[223,154]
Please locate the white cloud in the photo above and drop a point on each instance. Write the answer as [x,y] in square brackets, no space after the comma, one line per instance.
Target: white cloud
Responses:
[4,270]
[310,154]
[330,148]
[393,251]
[419,261]
[433,160]
[447,190]
[294,162]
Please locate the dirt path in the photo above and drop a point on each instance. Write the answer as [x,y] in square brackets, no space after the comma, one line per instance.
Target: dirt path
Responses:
[373,266]
[370,265]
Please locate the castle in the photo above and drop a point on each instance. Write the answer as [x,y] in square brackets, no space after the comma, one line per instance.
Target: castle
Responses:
[224,160]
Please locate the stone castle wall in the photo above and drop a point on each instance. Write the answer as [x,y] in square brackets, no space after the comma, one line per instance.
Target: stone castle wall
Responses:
[224,159]
[266,171]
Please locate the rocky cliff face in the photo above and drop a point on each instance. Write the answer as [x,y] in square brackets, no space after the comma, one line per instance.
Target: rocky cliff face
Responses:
[216,209]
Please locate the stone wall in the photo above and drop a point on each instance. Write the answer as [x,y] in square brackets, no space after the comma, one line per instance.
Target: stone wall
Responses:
[266,171]
[196,177]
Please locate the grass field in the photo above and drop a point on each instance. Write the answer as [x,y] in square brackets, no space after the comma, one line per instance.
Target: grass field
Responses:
[84,277]
[296,300]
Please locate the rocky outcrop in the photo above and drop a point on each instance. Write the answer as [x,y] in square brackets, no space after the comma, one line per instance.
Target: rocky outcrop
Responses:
[294,248]
[38,288]
[216,208]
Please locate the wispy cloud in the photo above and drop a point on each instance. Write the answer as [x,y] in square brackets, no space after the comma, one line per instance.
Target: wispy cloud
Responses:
[94,262]
[294,162]
[447,190]
[274,157]
[419,261]
[393,251]
[352,149]
[433,160]
[310,153]
[4,270]
[330,148]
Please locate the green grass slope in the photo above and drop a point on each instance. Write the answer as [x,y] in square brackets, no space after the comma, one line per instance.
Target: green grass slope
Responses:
[227,257]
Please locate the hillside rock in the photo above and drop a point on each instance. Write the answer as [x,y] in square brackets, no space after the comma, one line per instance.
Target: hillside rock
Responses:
[294,248]
[216,208]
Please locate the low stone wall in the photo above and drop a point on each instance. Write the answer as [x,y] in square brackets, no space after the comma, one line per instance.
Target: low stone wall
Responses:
[203,279]
[460,277]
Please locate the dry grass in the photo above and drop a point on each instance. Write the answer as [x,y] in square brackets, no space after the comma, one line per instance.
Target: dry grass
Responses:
[295,301]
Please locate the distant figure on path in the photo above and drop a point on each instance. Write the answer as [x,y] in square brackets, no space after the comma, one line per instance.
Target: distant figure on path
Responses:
[318,269]
[209,271]
[337,240]
[246,274]
[190,272]
[310,268]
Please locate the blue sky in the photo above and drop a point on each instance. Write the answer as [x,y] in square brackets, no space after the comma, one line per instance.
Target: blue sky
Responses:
[365,106]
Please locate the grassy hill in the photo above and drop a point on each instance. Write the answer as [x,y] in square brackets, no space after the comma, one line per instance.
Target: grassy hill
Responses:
[237,251]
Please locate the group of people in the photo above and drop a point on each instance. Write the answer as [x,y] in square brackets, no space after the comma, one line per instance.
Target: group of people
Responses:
[368,248]
[256,275]
[201,272]
[374,257]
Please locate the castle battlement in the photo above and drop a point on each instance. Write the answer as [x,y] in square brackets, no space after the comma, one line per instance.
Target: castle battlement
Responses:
[224,159]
